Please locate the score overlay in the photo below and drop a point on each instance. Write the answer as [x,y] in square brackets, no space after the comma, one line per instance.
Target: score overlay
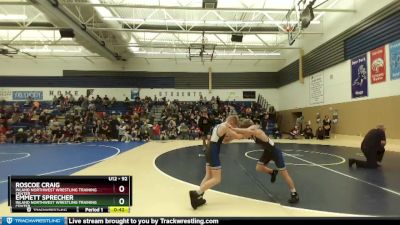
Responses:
[88,194]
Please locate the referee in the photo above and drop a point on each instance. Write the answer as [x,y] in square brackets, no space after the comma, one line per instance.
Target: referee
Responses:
[373,147]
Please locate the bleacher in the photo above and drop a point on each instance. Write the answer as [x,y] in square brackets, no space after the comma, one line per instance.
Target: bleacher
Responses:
[119,108]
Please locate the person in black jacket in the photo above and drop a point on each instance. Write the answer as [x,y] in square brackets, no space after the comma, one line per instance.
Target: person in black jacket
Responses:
[308,132]
[327,126]
[373,147]
[320,133]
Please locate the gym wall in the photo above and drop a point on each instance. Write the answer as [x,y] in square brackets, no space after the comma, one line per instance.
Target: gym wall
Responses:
[355,118]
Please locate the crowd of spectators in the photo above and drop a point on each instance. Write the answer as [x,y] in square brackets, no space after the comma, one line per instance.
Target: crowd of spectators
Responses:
[70,119]
[67,119]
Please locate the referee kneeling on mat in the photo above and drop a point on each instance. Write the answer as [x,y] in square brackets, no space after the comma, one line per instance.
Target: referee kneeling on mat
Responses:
[373,147]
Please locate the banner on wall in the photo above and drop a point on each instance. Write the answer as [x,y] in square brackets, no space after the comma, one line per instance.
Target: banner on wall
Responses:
[378,65]
[23,95]
[359,77]
[317,89]
[135,93]
[394,60]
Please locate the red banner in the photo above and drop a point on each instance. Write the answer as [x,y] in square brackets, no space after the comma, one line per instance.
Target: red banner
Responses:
[378,65]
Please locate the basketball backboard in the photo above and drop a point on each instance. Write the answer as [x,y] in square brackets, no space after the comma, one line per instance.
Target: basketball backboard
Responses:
[201,52]
[293,25]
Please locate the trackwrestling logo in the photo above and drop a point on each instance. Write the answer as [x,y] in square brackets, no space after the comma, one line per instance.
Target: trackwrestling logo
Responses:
[33,220]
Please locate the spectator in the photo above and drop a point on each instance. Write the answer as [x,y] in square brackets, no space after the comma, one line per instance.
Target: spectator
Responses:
[127,101]
[55,101]
[163,134]
[92,106]
[71,99]
[104,132]
[3,129]
[184,131]
[20,137]
[55,130]
[106,101]
[80,100]
[294,132]
[3,138]
[327,126]
[46,136]
[78,133]
[172,134]
[320,133]
[145,136]
[272,113]
[67,134]
[114,123]
[29,101]
[60,99]
[124,134]
[205,125]
[276,133]
[308,132]
[113,101]
[98,100]
[85,104]
[35,106]
[156,131]
[10,136]
[37,137]
[299,122]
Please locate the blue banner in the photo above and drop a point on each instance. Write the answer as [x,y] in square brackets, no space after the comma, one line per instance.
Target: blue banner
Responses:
[359,77]
[32,220]
[23,95]
[394,48]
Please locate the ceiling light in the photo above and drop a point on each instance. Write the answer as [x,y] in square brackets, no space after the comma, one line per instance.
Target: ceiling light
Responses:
[12,17]
[104,12]
[124,19]
[48,50]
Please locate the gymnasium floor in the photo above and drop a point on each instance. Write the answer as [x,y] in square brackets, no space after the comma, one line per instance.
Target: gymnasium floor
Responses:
[164,172]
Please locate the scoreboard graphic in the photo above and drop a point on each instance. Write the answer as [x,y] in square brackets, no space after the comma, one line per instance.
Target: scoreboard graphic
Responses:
[58,194]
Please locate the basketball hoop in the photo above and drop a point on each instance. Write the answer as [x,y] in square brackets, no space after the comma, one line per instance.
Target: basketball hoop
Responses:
[288,28]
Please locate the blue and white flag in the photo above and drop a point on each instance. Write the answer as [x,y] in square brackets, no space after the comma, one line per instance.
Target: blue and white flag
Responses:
[359,77]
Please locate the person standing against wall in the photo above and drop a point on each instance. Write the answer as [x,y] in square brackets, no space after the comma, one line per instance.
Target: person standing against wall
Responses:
[327,125]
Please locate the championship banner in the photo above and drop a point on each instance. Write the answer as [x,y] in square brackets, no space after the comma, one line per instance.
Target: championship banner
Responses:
[394,60]
[378,65]
[317,89]
[359,77]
